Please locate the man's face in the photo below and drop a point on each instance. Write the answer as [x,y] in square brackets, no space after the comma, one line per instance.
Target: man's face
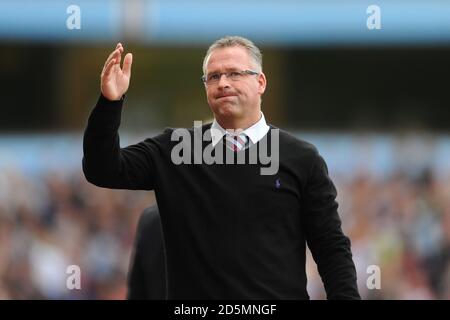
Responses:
[230,99]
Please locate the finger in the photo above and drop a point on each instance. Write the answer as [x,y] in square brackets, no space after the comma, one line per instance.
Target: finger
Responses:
[108,68]
[113,55]
[127,61]
[109,58]
[120,47]
[118,57]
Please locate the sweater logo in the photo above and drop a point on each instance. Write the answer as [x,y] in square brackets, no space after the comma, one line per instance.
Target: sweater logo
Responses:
[278,183]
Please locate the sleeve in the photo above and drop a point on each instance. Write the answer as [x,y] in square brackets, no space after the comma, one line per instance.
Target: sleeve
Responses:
[329,246]
[105,164]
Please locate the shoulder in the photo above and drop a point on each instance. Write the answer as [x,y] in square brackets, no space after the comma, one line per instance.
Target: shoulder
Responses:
[149,215]
[292,145]
[171,133]
[164,138]
[149,221]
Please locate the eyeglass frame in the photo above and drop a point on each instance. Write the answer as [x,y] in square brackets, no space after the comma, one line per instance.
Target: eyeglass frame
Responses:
[227,75]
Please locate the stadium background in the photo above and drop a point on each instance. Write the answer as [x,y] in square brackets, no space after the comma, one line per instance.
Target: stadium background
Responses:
[375,102]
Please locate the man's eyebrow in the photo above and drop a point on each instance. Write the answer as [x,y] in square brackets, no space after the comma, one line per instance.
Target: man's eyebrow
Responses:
[226,69]
[211,72]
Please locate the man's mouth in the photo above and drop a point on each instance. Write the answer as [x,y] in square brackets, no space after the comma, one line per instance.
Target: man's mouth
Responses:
[226,95]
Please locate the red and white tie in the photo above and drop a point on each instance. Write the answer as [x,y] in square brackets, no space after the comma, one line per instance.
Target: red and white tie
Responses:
[236,142]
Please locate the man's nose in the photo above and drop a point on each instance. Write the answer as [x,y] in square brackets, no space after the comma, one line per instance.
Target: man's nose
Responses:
[223,81]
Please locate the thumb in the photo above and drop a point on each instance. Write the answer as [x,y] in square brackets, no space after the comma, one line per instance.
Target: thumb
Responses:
[127,61]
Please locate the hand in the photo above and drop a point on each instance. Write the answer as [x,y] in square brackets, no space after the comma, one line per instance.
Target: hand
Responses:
[114,80]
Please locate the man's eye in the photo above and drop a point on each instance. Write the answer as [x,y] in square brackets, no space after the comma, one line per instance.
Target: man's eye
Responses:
[213,76]
[235,74]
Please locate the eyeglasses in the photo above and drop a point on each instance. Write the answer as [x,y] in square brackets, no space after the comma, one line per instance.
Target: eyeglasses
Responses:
[214,78]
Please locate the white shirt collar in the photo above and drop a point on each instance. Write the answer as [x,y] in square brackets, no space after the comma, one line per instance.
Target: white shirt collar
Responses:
[256,132]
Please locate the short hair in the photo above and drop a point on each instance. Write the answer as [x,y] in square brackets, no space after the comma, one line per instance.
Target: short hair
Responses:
[236,41]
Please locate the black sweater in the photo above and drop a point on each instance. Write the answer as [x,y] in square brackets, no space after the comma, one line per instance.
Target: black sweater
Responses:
[230,232]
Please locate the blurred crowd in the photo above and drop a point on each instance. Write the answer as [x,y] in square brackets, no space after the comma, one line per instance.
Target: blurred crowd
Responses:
[52,220]
[56,220]
[400,224]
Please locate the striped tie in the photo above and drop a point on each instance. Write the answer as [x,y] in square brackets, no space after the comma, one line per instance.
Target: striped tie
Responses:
[236,142]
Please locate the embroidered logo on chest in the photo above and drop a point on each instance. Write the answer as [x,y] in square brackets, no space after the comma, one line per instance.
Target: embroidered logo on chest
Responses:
[278,183]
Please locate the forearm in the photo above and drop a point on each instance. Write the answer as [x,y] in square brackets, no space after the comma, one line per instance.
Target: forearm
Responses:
[332,253]
[105,164]
[101,143]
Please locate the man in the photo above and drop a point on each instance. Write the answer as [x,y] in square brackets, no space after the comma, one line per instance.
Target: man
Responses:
[230,231]
[147,274]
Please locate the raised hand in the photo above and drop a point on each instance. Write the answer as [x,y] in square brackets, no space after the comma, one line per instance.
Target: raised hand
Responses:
[114,80]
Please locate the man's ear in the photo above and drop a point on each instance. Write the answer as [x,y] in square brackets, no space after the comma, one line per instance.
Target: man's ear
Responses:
[262,83]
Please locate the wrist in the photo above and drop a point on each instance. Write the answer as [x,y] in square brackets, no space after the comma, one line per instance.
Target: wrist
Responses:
[113,99]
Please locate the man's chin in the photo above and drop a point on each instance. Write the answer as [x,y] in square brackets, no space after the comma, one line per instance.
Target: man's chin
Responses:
[227,110]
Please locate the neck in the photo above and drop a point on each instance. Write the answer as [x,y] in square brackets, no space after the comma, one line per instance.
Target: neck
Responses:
[235,124]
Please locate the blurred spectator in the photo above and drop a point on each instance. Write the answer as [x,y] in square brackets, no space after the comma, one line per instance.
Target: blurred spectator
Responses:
[147,271]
